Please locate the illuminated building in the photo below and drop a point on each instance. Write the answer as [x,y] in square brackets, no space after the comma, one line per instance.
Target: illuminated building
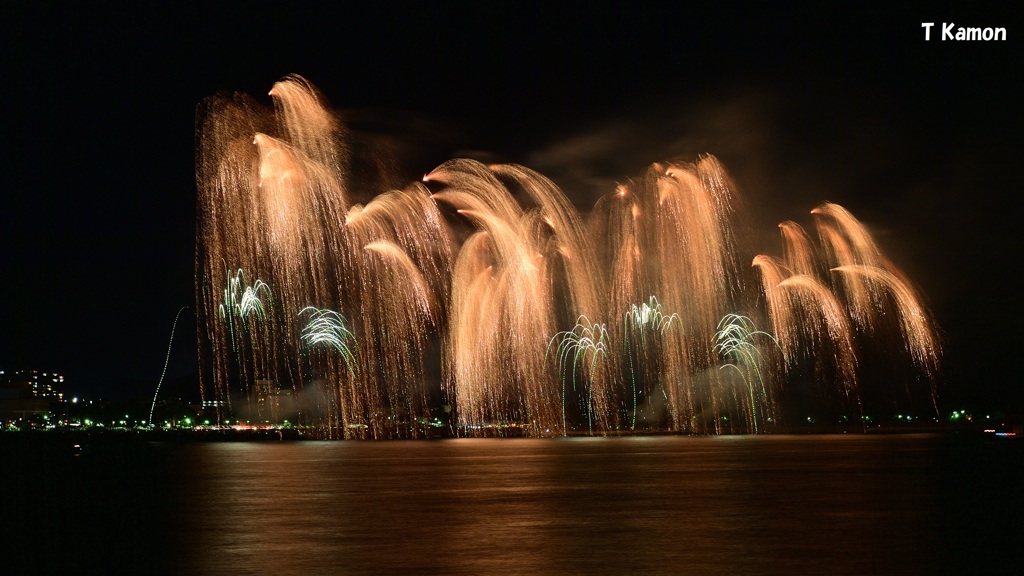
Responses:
[25,393]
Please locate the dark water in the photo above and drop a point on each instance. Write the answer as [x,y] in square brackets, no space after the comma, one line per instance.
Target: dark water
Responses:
[663,505]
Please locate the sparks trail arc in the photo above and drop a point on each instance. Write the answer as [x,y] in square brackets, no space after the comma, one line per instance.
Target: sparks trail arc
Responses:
[646,316]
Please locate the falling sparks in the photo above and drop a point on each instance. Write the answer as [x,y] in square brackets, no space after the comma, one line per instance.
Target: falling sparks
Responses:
[491,277]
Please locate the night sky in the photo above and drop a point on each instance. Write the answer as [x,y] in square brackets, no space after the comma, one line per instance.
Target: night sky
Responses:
[919,140]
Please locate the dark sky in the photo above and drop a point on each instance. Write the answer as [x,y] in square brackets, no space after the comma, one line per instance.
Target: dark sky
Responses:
[920,140]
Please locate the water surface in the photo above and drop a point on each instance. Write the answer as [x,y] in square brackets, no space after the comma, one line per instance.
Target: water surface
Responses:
[659,505]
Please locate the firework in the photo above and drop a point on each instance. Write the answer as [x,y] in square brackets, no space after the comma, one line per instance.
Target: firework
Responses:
[736,341]
[466,288]
[649,316]
[242,301]
[585,345]
[328,328]
[638,322]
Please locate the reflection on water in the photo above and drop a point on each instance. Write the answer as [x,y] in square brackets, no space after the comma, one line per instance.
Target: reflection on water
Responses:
[662,505]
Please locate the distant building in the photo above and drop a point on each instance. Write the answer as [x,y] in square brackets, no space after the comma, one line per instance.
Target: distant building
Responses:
[213,404]
[273,404]
[25,393]
[266,403]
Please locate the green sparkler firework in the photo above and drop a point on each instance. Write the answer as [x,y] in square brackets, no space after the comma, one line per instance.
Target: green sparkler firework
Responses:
[328,328]
[734,340]
[585,345]
[643,318]
[241,301]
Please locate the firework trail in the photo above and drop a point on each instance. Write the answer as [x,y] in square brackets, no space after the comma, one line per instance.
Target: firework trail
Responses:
[167,360]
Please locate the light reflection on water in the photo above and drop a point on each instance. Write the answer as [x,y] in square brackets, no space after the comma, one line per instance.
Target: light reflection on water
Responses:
[614,506]
[657,505]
